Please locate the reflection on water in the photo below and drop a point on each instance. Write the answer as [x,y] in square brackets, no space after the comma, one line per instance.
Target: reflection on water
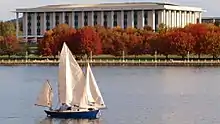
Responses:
[68,121]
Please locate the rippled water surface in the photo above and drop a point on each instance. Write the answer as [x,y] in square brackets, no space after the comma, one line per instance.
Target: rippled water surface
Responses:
[134,95]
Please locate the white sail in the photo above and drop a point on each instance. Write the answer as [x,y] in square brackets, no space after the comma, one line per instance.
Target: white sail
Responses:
[94,89]
[45,96]
[70,77]
[84,102]
[88,91]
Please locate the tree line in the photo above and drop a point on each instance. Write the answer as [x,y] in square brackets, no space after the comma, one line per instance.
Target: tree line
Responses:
[198,39]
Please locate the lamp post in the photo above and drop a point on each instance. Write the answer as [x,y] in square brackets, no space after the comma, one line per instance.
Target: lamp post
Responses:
[188,56]
[90,55]
[155,56]
[123,55]
[26,55]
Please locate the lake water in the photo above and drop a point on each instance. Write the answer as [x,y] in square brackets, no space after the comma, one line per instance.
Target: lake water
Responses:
[134,95]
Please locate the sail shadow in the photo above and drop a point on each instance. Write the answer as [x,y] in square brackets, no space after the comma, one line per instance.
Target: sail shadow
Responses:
[48,120]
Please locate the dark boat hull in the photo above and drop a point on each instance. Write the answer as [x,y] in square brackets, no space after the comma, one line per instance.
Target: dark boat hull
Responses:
[93,114]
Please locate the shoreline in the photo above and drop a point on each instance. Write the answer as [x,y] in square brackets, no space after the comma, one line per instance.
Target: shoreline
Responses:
[114,63]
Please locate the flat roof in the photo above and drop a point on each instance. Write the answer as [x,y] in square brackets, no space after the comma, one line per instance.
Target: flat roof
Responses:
[103,5]
[108,6]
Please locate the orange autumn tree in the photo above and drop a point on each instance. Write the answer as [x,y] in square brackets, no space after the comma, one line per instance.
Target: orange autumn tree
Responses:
[53,39]
[44,45]
[9,45]
[85,41]
[181,42]
[198,31]
[195,38]
[212,39]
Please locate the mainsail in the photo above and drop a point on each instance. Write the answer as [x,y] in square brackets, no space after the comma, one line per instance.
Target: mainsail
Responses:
[94,89]
[45,96]
[71,78]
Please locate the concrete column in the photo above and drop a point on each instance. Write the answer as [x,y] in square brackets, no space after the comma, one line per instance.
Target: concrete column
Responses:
[164,17]
[153,20]
[92,18]
[167,18]
[190,17]
[142,19]
[132,18]
[129,19]
[122,18]
[195,20]
[177,19]
[180,18]
[174,19]
[102,18]
[193,16]
[200,17]
[63,17]
[54,20]
[161,17]
[73,19]
[35,24]
[82,18]
[170,18]
[44,29]
[185,18]
[26,27]
[112,19]
[17,24]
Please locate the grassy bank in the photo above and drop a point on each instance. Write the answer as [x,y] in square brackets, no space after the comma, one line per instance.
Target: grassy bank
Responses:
[108,60]
[110,57]
[116,62]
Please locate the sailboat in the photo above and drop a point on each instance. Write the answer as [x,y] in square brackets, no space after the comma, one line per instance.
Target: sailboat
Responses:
[75,88]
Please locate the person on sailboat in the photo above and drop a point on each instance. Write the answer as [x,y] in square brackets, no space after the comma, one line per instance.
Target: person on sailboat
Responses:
[64,107]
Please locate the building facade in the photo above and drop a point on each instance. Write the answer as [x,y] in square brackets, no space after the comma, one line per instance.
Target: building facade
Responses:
[210,19]
[38,20]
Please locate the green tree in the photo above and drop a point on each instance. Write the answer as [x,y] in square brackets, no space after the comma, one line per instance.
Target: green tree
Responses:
[7,28]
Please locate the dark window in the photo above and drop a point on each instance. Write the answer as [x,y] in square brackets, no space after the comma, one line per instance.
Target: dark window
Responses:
[115,16]
[29,17]
[105,24]
[85,17]
[95,22]
[105,16]
[95,16]
[38,23]
[115,23]
[38,31]
[29,31]
[57,17]
[47,17]
[29,24]
[85,23]
[38,17]
[57,23]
